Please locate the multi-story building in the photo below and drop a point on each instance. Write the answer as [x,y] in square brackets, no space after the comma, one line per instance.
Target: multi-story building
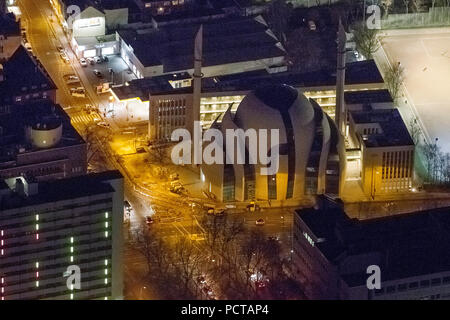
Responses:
[10,36]
[332,254]
[386,148]
[37,140]
[169,98]
[161,7]
[23,79]
[230,45]
[47,227]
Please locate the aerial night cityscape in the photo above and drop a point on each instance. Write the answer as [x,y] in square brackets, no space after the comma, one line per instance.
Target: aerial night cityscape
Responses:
[226,150]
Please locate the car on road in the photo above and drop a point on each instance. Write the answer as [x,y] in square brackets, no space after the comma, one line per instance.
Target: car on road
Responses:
[97,73]
[83,62]
[260,222]
[149,220]
[252,207]
[78,92]
[201,279]
[105,58]
[127,205]
[103,124]
[97,59]
[60,49]
[312,25]
[71,78]
[64,56]
[28,47]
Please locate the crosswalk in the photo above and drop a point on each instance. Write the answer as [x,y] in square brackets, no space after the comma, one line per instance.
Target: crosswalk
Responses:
[83,118]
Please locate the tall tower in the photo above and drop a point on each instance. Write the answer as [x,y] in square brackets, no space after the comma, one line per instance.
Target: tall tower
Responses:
[197,90]
[340,114]
[196,95]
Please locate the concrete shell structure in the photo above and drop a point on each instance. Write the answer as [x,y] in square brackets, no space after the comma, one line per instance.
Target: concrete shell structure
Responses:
[311,150]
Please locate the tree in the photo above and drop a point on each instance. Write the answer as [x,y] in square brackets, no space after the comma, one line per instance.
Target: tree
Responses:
[393,77]
[419,5]
[406,3]
[366,39]
[415,131]
[386,4]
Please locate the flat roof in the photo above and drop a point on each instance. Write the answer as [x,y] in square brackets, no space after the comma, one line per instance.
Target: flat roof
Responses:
[23,74]
[13,126]
[64,189]
[394,131]
[368,97]
[8,25]
[225,41]
[408,244]
[362,72]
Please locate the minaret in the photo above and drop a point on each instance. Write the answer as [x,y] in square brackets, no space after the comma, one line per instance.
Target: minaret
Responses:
[341,114]
[197,85]
[196,131]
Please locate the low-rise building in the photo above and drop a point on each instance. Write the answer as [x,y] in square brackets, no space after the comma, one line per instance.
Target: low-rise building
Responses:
[387,150]
[48,230]
[230,45]
[10,36]
[24,79]
[37,140]
[332,254]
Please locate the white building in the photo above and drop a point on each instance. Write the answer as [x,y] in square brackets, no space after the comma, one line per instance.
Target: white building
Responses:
[311,156]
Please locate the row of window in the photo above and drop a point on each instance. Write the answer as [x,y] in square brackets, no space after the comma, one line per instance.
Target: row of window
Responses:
[397,164]
[414,285]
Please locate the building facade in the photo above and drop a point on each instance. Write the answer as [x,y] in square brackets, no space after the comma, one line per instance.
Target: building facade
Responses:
[311,157]
[332,254]
[47,227]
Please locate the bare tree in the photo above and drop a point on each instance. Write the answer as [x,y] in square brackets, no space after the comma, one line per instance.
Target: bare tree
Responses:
[419,5]
[393,77]
[387,4]
[415,131]
[406,3]
[366,39]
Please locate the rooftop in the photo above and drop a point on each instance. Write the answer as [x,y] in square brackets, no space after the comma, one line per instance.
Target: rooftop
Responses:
[8,25]
[368,97]
[363,72]
[63,189]
[31,78]
[12,136]
[394,131]
[407,245]
[225,41]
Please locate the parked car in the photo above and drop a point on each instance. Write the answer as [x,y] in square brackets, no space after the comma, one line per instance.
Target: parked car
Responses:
[97,60]
[201,280]
[98,74]
[105,58]
[28,47]
[78,92]
[60,49]
[71,79]
[83,62]
[260,222]
[312,26]
[149,220]
[64,56]
[90,61]
[103,124]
